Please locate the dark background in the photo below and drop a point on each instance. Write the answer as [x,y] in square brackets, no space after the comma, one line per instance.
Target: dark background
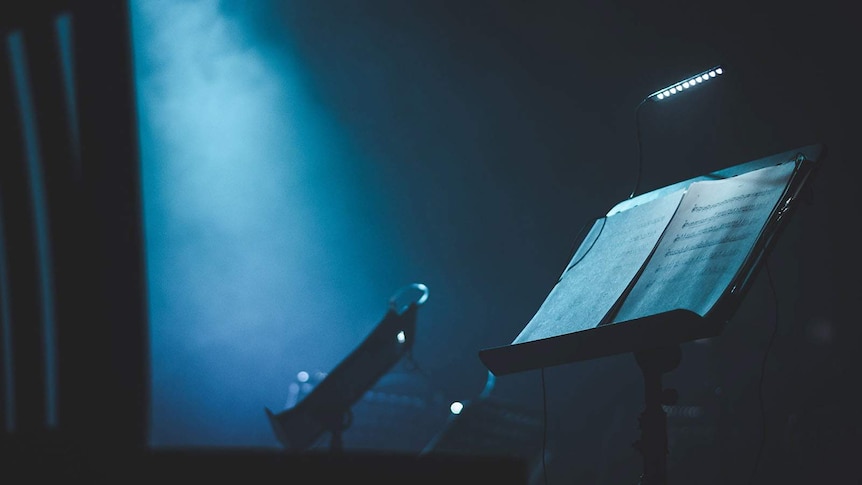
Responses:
[464,145]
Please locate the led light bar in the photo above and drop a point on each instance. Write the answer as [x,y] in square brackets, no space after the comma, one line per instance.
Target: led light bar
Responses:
[686,84]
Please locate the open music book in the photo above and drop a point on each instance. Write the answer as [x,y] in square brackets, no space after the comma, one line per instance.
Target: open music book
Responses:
[685,252]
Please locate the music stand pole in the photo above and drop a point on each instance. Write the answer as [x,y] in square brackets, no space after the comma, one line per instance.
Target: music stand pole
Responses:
[336,423]
[653,444]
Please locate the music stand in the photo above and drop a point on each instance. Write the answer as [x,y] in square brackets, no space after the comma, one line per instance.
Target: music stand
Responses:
[655,339]
[327,407]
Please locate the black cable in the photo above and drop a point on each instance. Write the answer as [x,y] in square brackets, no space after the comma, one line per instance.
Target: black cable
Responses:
[544,429]
[638,141]
[762,374]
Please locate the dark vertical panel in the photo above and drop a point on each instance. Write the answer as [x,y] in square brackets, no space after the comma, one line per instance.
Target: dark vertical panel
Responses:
[7,382]
[25,331]
[95,276]
[112,371]
[62,192]
[7,406]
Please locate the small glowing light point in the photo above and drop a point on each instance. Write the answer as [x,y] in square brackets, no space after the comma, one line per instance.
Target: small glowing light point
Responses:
[672,90]
[302,376]
[718,71]
[401,337]
[711,73]
[456,407]
[685,85]
[666,93]
[699,79]
[660,96]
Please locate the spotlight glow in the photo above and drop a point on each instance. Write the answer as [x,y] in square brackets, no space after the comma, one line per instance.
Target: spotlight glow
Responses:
[401,337]
[252,221]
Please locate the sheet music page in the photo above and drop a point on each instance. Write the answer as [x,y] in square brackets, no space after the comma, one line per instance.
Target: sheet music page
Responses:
[594,283]
[706,243]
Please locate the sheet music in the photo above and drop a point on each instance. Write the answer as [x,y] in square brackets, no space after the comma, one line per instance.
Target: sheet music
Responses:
[590,287]
[706,243]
